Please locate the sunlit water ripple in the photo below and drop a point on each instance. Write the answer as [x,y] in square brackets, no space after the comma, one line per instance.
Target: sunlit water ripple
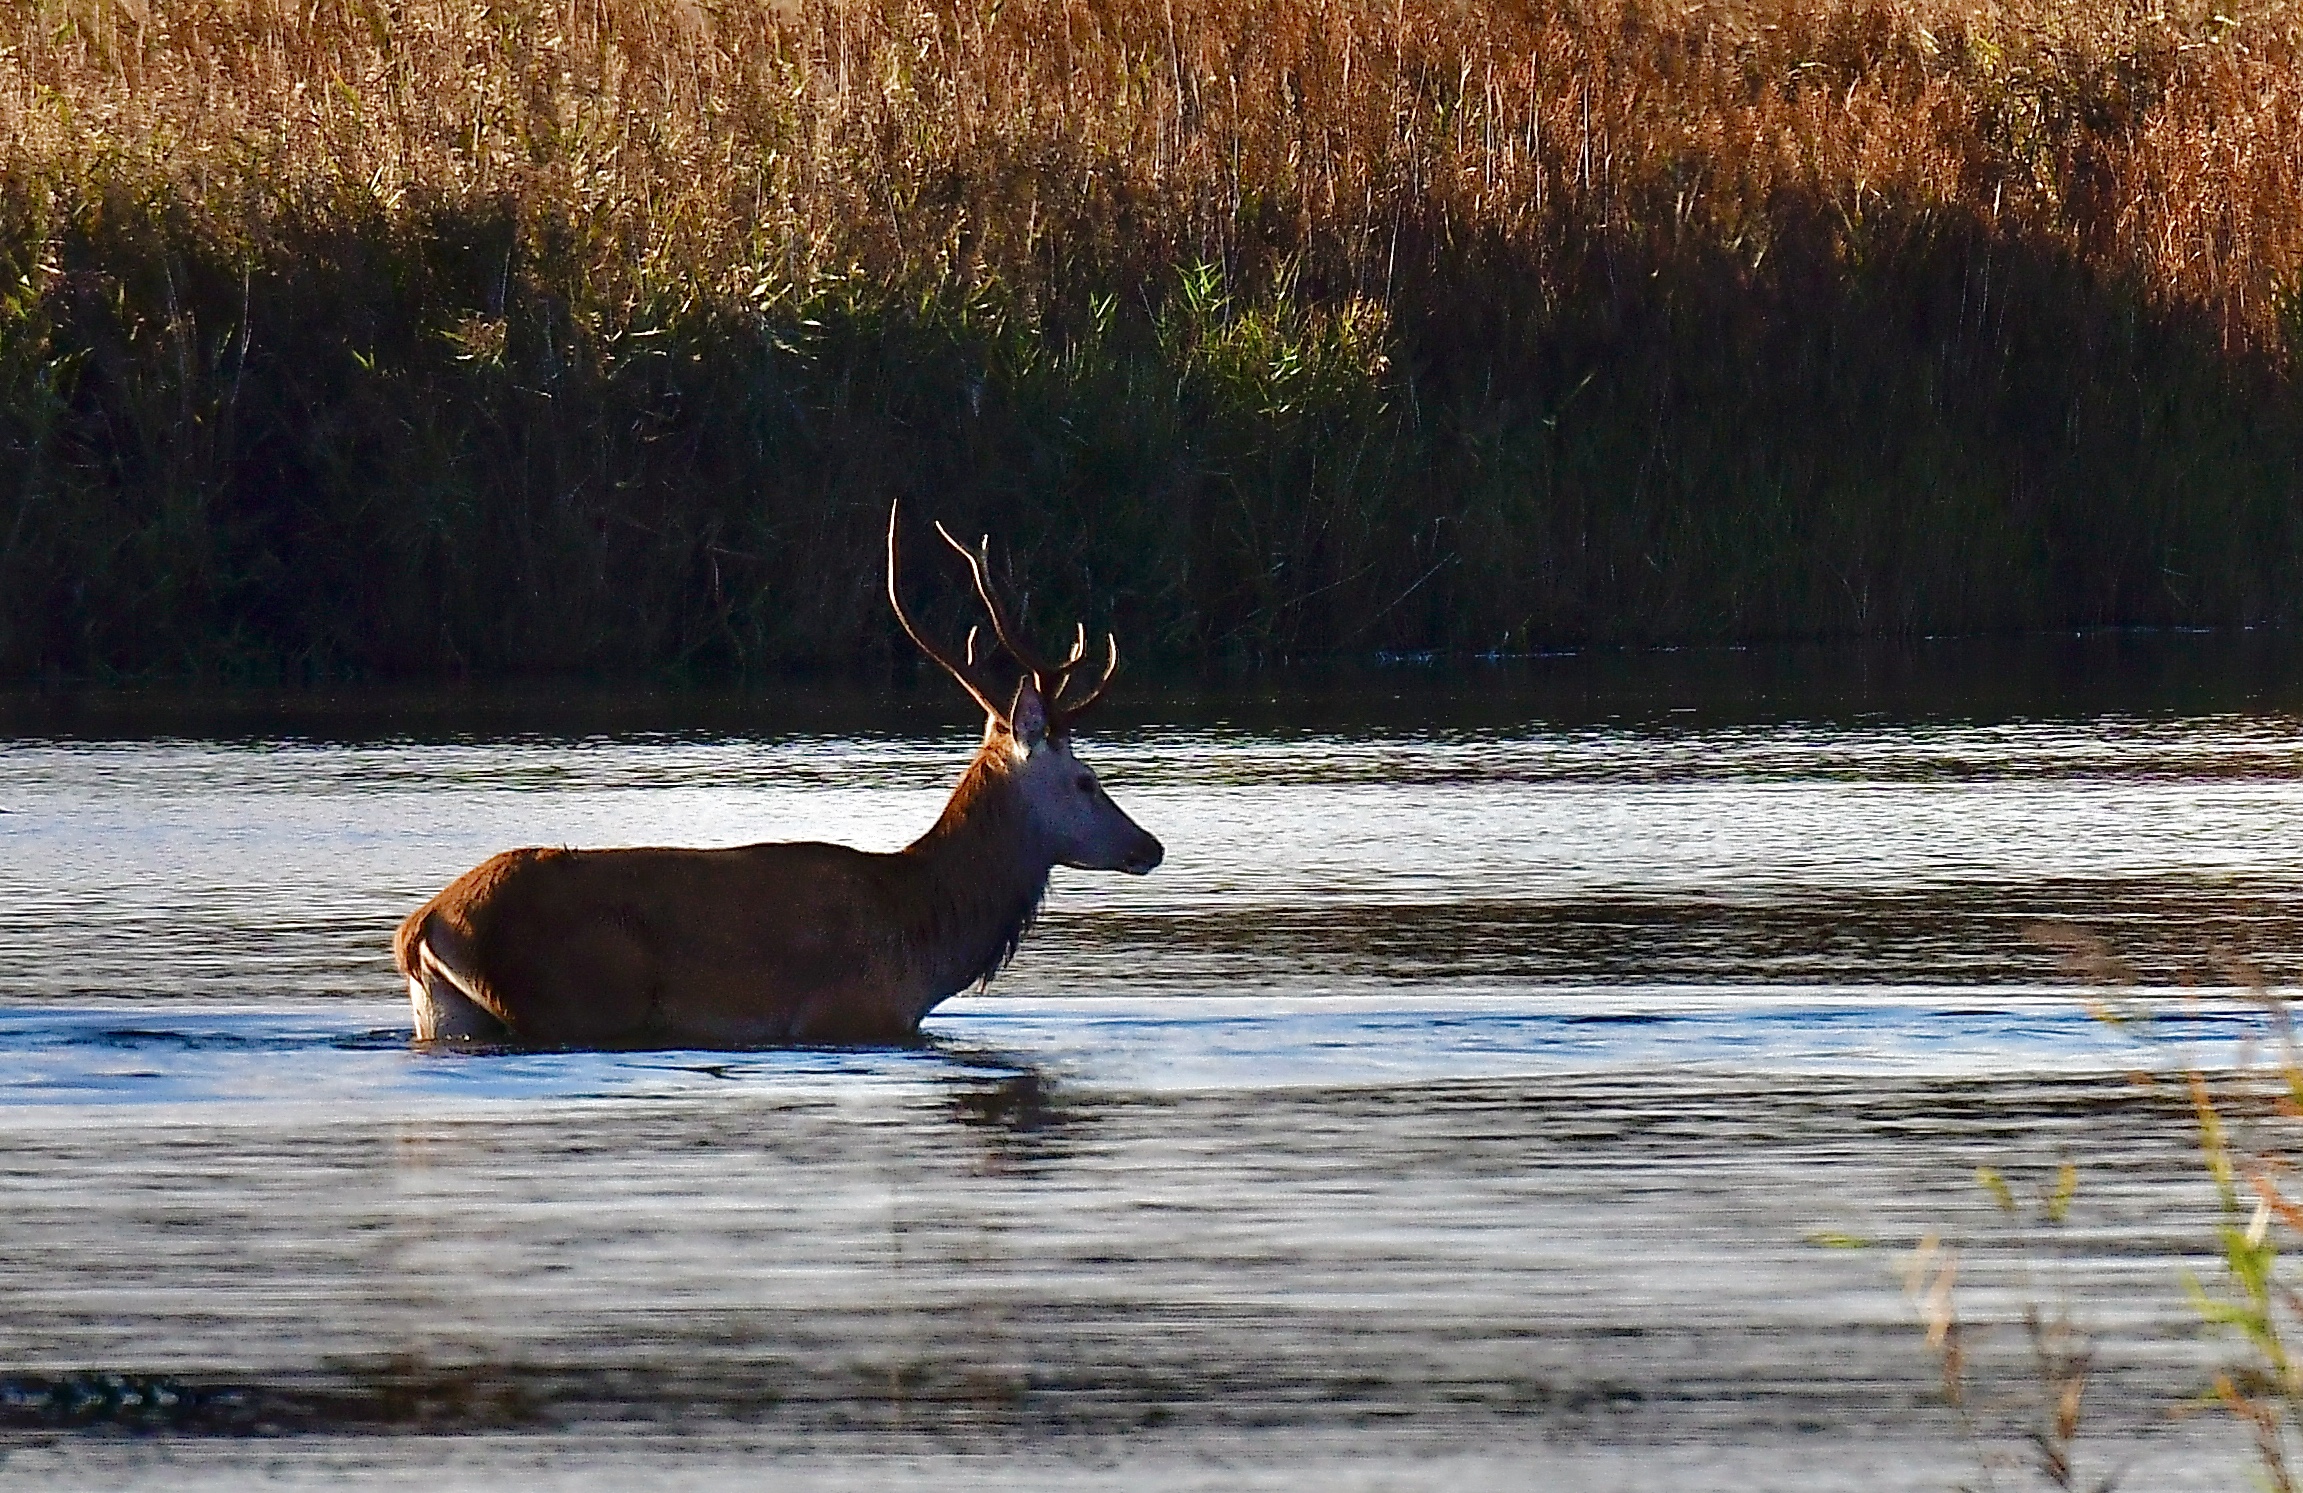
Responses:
[1453,1108]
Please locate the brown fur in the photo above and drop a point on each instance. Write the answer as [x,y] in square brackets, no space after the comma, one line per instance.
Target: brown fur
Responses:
[774,943]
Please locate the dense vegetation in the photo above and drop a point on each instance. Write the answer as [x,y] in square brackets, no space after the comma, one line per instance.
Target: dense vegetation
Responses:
[410,336]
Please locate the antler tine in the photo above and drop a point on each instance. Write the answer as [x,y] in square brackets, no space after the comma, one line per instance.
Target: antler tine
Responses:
[1010,636]
[1073,712]
[1071,660]
[896,600]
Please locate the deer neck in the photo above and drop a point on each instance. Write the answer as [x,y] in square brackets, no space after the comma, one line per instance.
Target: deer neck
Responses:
[983,872]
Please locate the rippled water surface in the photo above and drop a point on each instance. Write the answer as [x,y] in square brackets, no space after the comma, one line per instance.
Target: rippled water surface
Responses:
[1520,1079]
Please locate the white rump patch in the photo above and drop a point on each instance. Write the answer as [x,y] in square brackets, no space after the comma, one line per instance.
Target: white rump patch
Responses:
[444,1006]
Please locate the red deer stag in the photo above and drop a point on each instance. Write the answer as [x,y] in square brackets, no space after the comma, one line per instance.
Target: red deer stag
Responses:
[784,943]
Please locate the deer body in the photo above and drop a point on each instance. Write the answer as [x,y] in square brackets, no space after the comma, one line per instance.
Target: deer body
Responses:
[797,942]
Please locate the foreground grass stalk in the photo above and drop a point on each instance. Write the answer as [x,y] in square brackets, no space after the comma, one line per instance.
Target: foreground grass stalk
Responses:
[2044,1408]
[2265,1388]
[2245,1145]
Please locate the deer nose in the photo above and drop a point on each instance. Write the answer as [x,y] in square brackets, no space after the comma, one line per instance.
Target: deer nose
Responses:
[1144,857]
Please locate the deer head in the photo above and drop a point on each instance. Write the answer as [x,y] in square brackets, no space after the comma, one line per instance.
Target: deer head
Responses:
[1030,739]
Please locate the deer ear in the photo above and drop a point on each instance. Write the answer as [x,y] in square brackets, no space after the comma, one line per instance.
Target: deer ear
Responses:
[1028,717]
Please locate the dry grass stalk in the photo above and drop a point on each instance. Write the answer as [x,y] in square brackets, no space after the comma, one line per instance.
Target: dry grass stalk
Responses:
[729,148]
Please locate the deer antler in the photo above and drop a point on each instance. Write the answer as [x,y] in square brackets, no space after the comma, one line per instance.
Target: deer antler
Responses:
[1051,680]
[1078,708]
[1011,637]
[895,599]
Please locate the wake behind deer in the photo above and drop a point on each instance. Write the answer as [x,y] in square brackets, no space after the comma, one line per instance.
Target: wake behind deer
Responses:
[799,942]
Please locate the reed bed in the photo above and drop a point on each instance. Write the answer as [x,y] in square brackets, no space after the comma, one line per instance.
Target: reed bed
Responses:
[444,336]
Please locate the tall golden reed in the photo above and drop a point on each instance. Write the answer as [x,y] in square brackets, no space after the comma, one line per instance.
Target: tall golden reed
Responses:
[727,149]
[348,335]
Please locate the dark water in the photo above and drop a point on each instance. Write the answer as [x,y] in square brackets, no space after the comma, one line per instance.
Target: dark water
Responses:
[1528,1077]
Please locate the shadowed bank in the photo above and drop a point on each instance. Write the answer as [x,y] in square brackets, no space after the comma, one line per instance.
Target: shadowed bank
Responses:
[512,340]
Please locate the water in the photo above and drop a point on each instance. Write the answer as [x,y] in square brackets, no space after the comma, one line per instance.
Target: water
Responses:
[1514,1079]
